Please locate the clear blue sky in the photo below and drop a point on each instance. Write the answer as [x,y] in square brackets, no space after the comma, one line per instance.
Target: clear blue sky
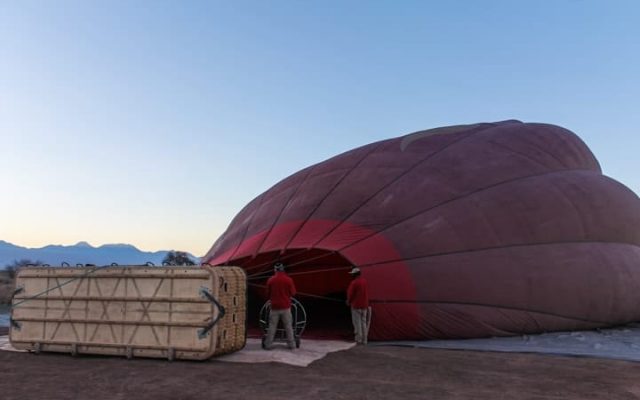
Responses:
[154,123]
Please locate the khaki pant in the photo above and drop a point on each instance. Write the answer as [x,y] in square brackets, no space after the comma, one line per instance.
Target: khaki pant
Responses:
[361,318]
[274,318]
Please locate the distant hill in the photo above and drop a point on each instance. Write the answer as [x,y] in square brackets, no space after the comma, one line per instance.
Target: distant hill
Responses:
[81,253]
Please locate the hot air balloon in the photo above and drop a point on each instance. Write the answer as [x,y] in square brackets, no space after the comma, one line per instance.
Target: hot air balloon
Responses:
[490,229]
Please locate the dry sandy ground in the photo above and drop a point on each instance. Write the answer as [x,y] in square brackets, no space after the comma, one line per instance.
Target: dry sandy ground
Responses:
[370,372]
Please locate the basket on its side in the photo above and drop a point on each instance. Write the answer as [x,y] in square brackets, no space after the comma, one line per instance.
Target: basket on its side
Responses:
[158,312]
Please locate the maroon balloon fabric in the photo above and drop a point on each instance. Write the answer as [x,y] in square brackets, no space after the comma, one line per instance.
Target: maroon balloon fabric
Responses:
[466,231]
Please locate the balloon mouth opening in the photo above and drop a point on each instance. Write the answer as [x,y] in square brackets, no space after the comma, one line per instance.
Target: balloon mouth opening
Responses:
[321,278]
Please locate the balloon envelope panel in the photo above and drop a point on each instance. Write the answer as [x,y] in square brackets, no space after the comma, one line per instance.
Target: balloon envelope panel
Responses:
[467,231]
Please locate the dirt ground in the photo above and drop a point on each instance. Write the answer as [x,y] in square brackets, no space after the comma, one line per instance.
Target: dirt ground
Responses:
[371,372]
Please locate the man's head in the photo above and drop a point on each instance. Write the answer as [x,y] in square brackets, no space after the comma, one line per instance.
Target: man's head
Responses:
[279,267]
[355,271]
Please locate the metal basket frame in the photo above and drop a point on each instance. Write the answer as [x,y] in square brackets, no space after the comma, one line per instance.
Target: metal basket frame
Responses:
[298,320]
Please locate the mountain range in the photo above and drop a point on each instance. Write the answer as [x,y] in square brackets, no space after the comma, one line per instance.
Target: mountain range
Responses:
[81,253]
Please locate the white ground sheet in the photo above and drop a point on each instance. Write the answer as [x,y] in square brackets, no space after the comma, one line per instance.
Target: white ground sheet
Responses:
[309,351]
[622,343]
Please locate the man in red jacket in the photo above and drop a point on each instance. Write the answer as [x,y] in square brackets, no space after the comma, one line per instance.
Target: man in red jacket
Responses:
[280,289]
[358,300]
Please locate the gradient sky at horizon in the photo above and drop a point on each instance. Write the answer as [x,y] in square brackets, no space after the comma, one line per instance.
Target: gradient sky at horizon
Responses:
[154,123]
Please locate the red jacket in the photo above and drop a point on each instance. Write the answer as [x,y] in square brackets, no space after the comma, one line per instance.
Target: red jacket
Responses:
[358,293]
[280,288]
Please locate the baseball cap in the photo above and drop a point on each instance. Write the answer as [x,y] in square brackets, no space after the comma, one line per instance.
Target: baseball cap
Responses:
[354,270]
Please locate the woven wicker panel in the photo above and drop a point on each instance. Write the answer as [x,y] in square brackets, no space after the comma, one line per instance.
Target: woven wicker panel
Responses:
[232,294]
